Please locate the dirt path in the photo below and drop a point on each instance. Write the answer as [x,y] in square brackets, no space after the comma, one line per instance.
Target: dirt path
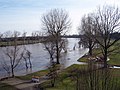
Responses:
[23,84]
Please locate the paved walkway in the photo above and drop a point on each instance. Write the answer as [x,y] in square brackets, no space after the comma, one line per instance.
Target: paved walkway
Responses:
[23,84]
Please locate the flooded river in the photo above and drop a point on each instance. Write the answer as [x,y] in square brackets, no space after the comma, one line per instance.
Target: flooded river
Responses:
[40,57]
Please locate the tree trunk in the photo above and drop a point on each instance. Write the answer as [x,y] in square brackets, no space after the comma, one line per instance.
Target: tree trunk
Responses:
[51,58]
[26,63]
[105,58]
[90,51]
[53,82]
[90,47]
[30,63]
[12,71]
[57,57]
[57,52]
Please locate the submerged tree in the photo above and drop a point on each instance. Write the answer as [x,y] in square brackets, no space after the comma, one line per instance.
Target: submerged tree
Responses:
[27,58]
[13,53]
[56,23]
[86,29]
[50,47]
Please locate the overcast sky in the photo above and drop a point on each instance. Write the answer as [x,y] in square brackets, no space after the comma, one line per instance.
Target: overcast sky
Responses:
[24,15]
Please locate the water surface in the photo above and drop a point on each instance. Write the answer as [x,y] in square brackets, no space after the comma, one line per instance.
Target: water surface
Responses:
[40,57]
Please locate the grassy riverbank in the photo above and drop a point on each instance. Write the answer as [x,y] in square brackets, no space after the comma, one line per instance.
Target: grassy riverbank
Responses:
[4,86]
[39,74]
[65,82]
[29,76]
[114,57]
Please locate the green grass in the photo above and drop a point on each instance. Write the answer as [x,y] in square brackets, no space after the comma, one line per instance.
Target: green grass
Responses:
[83,59]
[29,76]
[64,82]
[114,57]
[116,72]
[59,85]
[39,73]
[96,52]
[75,66]
[4,86]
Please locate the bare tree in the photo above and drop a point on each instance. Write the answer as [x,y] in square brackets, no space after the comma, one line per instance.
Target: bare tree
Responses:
[50,47]
[13,53]
[26,64]
[37,36]
[5,66]
[93,78]
[56,23]
[107,22]
[28,55]
[53,74]
[86,29]
[7,35]
[24,37]
[27,58]
[1,38]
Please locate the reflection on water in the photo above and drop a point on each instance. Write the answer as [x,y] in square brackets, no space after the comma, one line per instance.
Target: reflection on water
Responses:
[40,58]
